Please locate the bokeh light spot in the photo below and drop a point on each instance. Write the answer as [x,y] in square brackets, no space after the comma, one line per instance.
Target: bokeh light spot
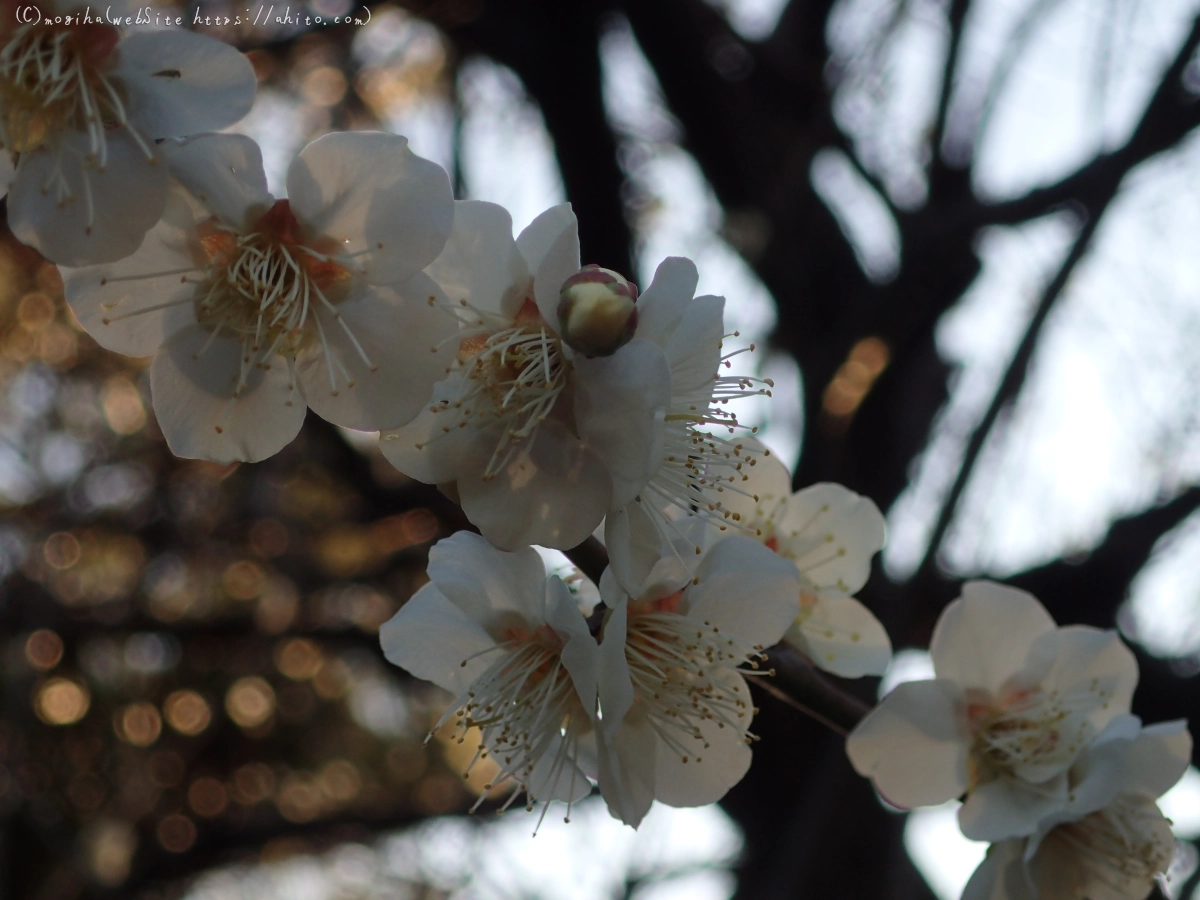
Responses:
[187,712]
[61,701]
[123,407]
[244,580]
[176,833]
[138,724]
[61,550]
[250,702]
[43,649]
[207,797]
[298,658]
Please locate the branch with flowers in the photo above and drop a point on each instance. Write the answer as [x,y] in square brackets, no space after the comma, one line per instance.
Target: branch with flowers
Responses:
[561,408]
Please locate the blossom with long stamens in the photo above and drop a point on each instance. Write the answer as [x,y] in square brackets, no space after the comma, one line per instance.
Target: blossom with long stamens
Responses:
[256,308]
[1110,842]
[536,438]
[675,709]
[830,533]
[702,453]
[81,108]
[1014,703]
[516,652]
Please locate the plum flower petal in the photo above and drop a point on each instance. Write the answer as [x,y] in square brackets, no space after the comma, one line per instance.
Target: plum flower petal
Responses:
[830,534]
[914,746]
[82,108]
[669,679]
[536,438]
[203,410]
[514,648]
[1025,713]
[229,261]
[388,208]
[1109,841]
[128,311]
[185,83]
[964,645]
[74,211]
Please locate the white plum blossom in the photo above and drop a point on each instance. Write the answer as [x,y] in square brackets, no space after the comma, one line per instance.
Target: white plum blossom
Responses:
[675,709]
[1014,703]
[516,652]
[1110,841]
[256,308]
[830,533]
[702,453]
[536,438]
[81,108]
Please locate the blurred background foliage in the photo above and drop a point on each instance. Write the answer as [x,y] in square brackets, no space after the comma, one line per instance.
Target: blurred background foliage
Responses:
[963,233]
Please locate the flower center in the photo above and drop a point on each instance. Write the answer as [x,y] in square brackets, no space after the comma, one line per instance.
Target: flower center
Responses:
[1029,728]
[266,286]
[527,708]
[512,377]
[680,670]
[51,80]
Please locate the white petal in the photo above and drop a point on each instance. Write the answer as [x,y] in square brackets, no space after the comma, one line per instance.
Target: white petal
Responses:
[431,638]
[580,652]
[841,636]
[1001,876]
[430,446]
[481,263]
[627,770]
[707,777]
[385,339]
[1009,807]
[182,83]
[1101,772]
[914,744]
[192,387]
[694,350]
[620,408]
[371,193]
[1061,868]
[127,198]
[964,646]
[554,492]
[1159,757]
[115,302]
[641,562]
[491,586]
[1092,667]
[559,263]
[746,590]
[615,685]
[663,303]
[544,232]
[224,172]
[831,533]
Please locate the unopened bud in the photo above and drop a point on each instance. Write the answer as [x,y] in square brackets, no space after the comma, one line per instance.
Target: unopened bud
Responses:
[597,314]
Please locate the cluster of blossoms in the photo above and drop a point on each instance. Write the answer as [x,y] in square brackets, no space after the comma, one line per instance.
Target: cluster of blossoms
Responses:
[554,402]
[1030,724]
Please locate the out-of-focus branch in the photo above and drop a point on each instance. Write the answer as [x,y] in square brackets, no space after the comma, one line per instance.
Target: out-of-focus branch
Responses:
[1010,385]
[939,172]
[1171,113]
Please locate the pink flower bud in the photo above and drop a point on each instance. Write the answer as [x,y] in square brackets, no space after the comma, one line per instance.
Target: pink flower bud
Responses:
[597,314]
